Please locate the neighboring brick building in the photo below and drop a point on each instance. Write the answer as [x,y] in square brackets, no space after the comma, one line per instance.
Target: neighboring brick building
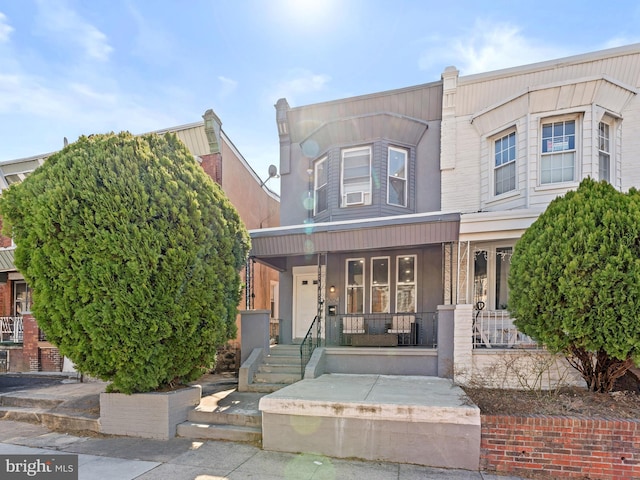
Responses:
[22,345]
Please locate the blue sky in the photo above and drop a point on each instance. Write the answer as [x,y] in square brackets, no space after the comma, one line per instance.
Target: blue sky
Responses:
[73,67]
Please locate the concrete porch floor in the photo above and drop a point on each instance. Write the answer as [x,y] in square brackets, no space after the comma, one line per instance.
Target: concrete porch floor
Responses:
[405,419]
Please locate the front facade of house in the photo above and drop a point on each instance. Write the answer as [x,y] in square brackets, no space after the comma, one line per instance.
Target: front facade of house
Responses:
[363,237]
[23,347]
[527,135]
[357,174]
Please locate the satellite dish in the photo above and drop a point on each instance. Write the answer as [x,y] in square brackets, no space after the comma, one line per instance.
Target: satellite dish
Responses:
[273,171]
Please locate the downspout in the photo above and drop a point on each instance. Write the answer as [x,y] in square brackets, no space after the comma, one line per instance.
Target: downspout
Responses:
[527,190]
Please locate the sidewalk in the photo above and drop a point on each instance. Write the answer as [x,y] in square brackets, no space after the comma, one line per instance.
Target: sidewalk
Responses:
[102,457]
[123,458]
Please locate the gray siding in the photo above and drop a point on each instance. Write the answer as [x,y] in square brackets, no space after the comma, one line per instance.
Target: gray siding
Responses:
[407,118]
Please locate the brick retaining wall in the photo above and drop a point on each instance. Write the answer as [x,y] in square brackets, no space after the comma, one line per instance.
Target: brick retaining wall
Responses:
[561,447]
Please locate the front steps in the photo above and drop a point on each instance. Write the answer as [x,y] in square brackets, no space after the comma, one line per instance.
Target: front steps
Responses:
[281,367]
[227,415]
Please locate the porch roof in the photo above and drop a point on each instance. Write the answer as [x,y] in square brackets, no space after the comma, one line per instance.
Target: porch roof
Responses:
[6,260]
[273,245]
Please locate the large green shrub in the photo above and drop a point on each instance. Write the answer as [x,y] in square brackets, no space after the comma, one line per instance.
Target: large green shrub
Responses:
[133,255]
[575,281]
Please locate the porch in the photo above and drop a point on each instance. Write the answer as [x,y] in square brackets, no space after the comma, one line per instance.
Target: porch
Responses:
[11,330]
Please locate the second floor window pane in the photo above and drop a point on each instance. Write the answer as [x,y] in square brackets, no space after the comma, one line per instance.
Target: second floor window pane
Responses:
[397,177]
[557,163]
[356,177]
[320,176]
[604,152]
[505,164]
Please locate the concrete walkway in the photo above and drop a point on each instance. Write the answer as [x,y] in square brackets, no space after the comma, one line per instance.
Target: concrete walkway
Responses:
[103,457]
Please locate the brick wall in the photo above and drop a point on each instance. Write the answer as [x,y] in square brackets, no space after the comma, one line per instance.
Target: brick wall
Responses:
[561,447]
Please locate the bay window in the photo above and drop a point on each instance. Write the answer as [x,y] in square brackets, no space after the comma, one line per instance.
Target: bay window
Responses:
[504,173]
[558,152]
[320,180]
[356,177]
[397,176]
[604,152]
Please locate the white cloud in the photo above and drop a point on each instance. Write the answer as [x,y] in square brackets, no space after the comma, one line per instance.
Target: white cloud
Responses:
[227,86]
[5,28]
[489,46]
[67,26]
[299,84]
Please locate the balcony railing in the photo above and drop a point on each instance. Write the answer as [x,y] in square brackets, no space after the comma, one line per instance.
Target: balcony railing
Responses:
[11,330]
[495,329]
[419,329]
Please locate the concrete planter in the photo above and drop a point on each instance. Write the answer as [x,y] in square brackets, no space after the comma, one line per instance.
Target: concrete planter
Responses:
[147,415]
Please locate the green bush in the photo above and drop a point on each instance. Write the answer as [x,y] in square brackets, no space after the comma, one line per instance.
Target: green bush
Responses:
[575,281]
[133,254]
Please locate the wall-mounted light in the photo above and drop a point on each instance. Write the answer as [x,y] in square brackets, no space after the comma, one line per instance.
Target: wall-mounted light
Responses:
[332,289]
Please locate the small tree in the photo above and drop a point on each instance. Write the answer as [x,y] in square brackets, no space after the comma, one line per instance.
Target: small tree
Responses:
[133,255]
[575,281]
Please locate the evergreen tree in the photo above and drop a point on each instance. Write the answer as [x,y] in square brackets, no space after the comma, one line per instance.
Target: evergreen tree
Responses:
[133,254]
[575,281]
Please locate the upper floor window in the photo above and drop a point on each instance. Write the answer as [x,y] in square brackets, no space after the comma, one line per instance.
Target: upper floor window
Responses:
[356,177]
[406,284]
[558,154]
[380,285]
[504,173]
[397,167]
[320,180]
[604,152]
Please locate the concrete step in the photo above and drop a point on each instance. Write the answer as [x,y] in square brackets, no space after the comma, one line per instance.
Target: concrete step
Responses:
[68,420]
[232,433]
[286,378]
[272,368]
[228,407]
[285,350]
[17,400]
[265,387]
[236,419]
[282,360]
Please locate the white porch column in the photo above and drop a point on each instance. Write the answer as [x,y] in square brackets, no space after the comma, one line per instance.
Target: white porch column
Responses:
[462,343]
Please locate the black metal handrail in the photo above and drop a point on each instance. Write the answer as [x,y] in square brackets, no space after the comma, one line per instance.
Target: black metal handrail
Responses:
[308,344]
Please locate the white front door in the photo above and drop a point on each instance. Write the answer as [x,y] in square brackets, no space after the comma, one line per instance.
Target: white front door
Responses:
[305,299]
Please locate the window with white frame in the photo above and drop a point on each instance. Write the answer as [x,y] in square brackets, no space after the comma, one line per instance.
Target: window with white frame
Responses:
[604,152]
[356,177]
[380,285]
[320,180]
[406,283]
[504,172]
[558,152]
[21,298]
[355,285]
[397,176]
[491,266]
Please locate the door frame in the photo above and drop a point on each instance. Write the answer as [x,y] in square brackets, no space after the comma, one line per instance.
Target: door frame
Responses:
[297,272]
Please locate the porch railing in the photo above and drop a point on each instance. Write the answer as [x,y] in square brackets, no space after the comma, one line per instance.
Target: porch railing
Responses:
[309,343]
[416,329]
[495,329]
[11,330]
